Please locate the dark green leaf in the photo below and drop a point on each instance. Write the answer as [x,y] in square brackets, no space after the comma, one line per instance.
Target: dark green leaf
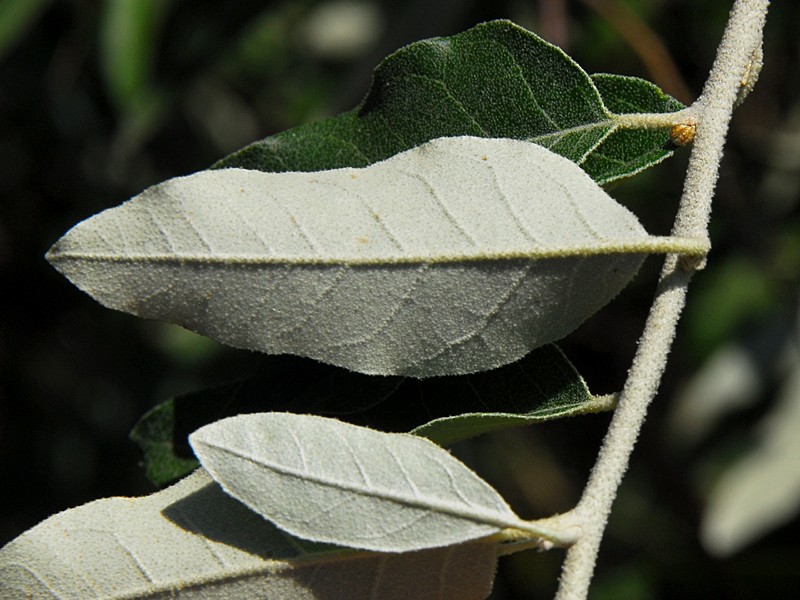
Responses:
[155,435]
[542,386]
[494,80]
[628,151]
[570,402]
[283,383]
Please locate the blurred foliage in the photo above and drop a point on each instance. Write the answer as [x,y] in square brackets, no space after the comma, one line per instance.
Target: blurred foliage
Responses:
[101,99]
[16,16]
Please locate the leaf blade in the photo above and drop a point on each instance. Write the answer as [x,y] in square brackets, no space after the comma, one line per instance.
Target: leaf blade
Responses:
[494,80]
[451,280]
[192,541]
[338,483]
[628,151]
[541,386]
[448,430]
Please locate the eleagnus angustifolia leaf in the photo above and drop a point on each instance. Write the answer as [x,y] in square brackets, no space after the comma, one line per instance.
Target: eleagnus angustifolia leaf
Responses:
[448,430]
[194,542]
[494,80]
[328,481]
[542,386]
[629,150]
[458,256]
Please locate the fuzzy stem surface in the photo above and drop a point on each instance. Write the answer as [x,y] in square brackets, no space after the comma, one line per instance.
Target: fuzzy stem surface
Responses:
[712,112]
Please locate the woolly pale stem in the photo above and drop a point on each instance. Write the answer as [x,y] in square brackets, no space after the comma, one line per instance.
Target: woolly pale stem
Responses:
[741,41]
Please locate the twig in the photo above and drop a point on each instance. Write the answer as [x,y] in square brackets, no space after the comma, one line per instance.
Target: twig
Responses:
[712,111]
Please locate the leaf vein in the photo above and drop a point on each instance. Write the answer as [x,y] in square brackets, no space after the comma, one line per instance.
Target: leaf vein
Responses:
[448,214]
[482,514]
[389,318]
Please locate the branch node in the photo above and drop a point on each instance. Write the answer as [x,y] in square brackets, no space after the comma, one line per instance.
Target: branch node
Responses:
[690,263]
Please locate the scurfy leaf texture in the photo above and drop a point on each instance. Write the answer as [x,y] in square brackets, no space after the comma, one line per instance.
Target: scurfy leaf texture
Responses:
[457,256]
[194,542]
[328,481]
[494,80]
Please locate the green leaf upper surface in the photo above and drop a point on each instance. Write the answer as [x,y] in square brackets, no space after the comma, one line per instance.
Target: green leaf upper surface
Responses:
[194,542]
[494,80]
[158,436]
[540,387]
[626,152]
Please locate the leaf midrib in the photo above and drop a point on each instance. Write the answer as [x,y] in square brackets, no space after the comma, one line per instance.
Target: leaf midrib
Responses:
[611,123]
[648,245]
[477,516]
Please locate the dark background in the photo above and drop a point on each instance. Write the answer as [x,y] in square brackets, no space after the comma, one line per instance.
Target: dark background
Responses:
[94,108]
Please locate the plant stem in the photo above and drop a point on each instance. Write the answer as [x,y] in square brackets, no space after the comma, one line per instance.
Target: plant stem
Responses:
[712,111]
[653,120]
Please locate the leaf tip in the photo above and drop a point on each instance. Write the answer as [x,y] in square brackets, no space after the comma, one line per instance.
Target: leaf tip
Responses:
[55,255]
